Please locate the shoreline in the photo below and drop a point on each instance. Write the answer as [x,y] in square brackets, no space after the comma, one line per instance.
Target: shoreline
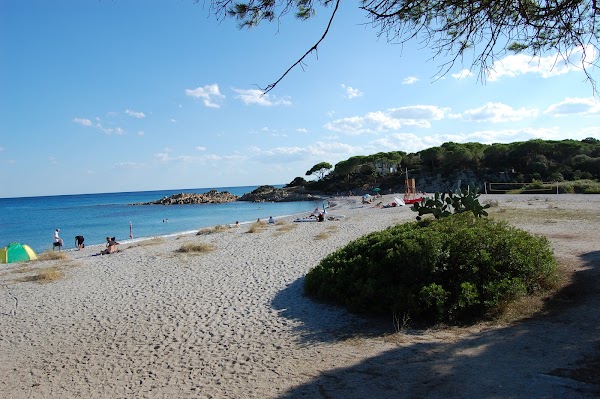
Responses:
[285,217]
[151,321]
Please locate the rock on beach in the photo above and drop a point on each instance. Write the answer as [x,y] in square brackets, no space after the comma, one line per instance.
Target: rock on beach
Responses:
[210,197]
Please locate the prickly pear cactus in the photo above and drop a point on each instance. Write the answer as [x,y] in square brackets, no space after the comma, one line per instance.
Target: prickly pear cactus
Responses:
[446,204]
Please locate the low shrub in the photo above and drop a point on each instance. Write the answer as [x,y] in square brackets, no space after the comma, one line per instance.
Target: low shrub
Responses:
[257,227]
[210,230]
[582,186]
[457,269]
[52,255]
[197,248]
[46,275]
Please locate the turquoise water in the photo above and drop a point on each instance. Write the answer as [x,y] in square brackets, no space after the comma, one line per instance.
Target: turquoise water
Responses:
[32,220]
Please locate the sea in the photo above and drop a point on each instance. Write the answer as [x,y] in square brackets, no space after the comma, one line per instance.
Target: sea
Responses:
[33,220]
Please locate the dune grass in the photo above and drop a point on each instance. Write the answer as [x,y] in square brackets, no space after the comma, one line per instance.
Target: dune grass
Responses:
[52,255]
[196,248]
[284,226]
[211,230]
[148,243]
[44,275]
[323,235]
[551,214]
[257,227]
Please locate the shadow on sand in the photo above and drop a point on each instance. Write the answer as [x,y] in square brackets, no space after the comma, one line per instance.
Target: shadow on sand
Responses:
[555,354]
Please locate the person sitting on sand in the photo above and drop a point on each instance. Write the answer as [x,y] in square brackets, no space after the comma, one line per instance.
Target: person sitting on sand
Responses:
[271,220]
[111,246]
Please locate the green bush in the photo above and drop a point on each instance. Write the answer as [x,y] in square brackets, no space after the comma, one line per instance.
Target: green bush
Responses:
[455,269]
[580,187]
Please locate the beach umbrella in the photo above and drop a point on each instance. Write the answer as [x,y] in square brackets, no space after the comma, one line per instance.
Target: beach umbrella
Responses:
[16,252]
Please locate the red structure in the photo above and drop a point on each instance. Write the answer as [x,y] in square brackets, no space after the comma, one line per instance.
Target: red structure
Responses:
[410,194]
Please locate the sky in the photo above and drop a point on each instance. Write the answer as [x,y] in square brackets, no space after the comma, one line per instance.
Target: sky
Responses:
[129,95]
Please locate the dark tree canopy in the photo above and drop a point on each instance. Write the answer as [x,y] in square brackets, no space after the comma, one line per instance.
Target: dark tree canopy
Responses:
[518,162]
[320,170]
[483,30]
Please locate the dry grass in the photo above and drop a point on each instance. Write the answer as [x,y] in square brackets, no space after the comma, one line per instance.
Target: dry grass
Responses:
[283,227]
[491,202]
[257,227]
[196,248]
[210,230]
[53,255]
[548,215]
[323,235]
[148,243]
[520,309]
[22,269]
[45,275]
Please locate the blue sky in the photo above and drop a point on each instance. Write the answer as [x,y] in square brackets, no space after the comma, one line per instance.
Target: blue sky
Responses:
[130,95]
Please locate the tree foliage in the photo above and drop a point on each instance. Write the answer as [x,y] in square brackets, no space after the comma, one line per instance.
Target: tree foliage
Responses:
[482,30]
[518,162]
[319,170]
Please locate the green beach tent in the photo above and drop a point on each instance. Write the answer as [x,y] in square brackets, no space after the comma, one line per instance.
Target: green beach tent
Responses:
[16,252]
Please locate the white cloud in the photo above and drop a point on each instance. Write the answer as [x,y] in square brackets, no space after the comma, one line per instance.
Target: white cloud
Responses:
[82,121]
[1,149]
[166,157]
[410,80]
[391,119]
[280,154]
[591,131]
[351,92]
[574,106]
[546,67]
[497,112]
[110,130]
[140,133]
[209,94]
[411,142]
[128,165]
[138,115]
[465,73]
[302,130]
[162,157]
[255,96]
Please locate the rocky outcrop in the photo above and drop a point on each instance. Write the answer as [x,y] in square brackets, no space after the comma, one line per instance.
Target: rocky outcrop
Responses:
[210,197]
[272,194]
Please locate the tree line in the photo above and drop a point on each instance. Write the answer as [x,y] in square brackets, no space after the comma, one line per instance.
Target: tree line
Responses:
[518,162]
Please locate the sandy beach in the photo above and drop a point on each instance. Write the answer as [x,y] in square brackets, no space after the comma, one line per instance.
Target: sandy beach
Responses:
[153,322]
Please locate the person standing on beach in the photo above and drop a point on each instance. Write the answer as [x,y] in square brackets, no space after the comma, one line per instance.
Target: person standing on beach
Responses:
[58,242]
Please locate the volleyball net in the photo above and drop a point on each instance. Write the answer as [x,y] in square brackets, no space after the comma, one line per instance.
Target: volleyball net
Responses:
[532,187]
